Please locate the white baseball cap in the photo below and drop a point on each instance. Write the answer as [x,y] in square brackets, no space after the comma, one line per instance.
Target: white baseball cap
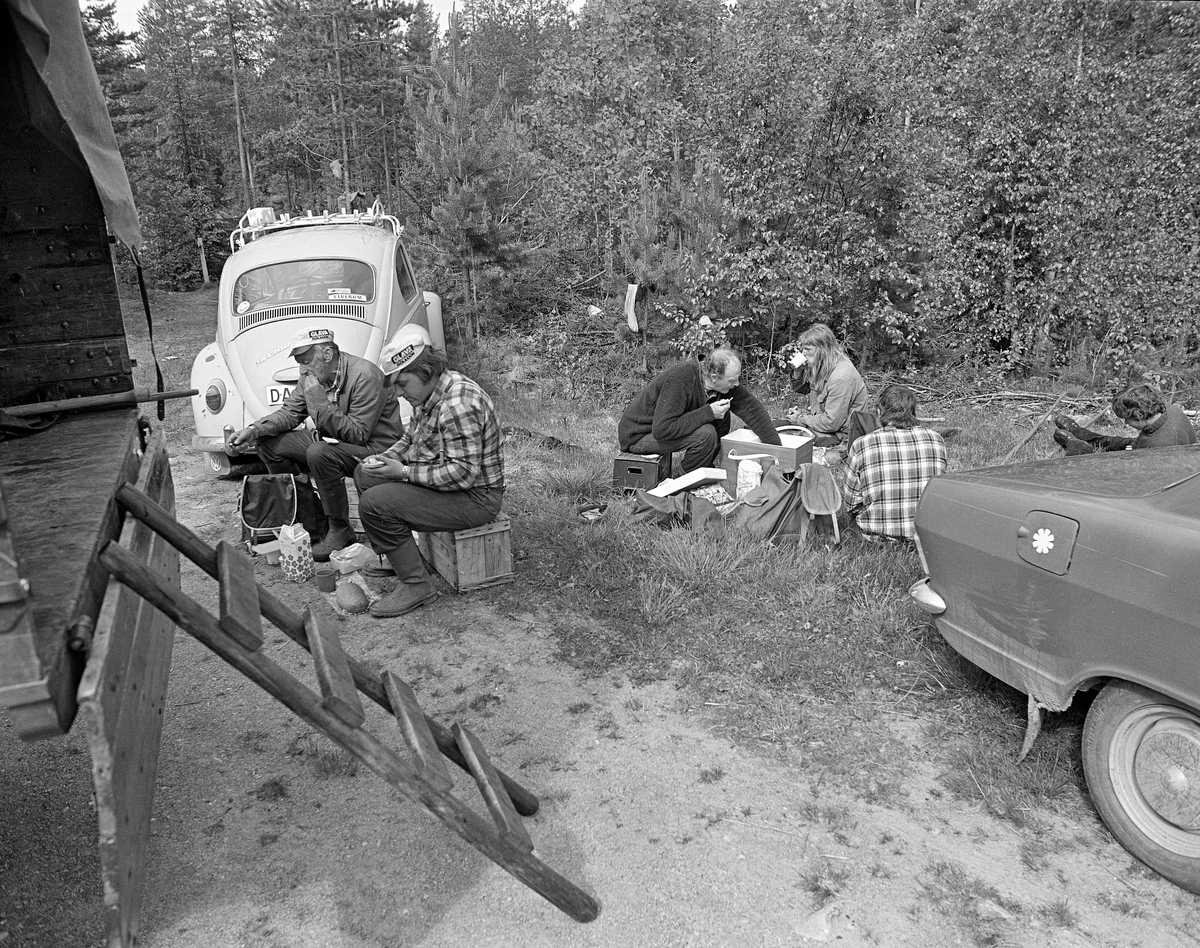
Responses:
[305,338]
[404,348]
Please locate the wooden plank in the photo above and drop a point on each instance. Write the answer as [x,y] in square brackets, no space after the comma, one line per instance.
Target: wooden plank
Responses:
[380,758]
[417,735]
[291,624]
[76,366]
[121,697]
[58,486]
[499,805]
[240,615]
[338,694]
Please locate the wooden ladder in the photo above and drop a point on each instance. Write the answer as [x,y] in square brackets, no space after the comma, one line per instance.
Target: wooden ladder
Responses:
[421,776]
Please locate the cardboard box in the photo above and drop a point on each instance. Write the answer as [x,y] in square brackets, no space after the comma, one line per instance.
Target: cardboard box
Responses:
[797,449]
[471,559]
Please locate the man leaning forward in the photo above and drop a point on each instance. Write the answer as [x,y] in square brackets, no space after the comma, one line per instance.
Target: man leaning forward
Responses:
[445,473]
[349,404]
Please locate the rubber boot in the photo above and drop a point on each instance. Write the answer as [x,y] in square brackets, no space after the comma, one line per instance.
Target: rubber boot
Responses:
[413,587]
[339,536]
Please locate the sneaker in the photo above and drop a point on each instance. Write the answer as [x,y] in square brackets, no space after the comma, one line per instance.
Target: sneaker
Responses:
[334,540]
[403,599]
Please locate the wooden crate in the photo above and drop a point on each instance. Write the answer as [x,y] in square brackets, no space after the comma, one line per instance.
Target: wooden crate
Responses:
[631,471]
[352,496]
[471,559]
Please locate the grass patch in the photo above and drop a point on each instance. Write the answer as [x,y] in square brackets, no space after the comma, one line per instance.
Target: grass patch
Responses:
[813,652]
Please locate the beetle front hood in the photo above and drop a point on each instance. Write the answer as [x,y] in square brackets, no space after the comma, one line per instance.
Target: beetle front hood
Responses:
[1107,474]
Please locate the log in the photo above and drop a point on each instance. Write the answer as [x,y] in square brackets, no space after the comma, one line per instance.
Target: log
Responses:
[88,402]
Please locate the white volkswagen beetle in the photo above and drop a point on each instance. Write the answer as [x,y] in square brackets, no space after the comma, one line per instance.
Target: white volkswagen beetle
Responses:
[347,272]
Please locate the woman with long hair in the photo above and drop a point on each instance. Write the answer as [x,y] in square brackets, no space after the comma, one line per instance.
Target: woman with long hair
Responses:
[835,387]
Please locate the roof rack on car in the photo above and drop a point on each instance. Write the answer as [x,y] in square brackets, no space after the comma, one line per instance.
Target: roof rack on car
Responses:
[260,221]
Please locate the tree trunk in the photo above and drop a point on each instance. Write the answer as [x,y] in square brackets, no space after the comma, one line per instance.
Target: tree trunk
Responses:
[243,154]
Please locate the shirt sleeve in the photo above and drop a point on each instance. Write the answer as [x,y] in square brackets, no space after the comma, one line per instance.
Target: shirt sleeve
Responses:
[364,405]
[751,411]
[461,424]
[672,422]
[289,415]
[852,491]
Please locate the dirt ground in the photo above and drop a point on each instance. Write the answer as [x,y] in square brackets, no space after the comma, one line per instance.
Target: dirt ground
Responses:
[261,837]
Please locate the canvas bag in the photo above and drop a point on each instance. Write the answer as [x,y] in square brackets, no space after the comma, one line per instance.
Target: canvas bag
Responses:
[772,510]
[268,502]
[677,510]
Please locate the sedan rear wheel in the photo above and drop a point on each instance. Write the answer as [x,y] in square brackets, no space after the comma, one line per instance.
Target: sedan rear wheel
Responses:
[1141,756]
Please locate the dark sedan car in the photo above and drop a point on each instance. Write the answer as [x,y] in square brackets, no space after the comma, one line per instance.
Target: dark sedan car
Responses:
[1080,573]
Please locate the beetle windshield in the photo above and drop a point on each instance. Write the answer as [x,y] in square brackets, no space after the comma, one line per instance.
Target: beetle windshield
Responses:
[307,281]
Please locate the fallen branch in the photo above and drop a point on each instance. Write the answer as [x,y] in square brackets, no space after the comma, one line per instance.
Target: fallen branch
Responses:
[1032,431]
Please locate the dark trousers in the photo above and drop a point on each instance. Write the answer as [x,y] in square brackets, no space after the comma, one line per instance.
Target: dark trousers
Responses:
[1084,441]
[295,452]
[391,510]
[699,448]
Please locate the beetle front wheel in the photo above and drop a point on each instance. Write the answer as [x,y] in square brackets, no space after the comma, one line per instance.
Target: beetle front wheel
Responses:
[1141,756]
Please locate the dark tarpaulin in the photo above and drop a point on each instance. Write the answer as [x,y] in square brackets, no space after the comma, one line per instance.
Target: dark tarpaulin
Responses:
[67,105]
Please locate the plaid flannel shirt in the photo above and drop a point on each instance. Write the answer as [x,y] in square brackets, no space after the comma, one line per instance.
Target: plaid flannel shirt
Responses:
[886,470]
[454,440]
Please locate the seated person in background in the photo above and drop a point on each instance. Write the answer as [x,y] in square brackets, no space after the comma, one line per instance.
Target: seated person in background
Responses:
[1158,424]
[686,408]
[887,469]
[835,387]
[445,473]
[347,400]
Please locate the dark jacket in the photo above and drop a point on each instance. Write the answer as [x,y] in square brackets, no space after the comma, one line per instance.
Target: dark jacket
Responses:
[675,404]
[364,411]
[1172,428]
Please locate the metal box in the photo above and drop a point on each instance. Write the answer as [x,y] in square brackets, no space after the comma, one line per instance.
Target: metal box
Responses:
[471,559]
[631,471]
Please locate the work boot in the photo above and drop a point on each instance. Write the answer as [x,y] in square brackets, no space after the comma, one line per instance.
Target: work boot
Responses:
[338,538]
[413,588]
[1068,424]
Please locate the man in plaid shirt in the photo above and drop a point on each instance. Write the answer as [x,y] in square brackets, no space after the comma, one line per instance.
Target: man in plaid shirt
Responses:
[887,469]
[445,473]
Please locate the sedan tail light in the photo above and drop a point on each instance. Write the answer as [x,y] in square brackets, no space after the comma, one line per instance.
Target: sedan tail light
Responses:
[214,398]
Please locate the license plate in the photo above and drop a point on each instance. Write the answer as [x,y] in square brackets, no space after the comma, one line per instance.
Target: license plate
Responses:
[276,394]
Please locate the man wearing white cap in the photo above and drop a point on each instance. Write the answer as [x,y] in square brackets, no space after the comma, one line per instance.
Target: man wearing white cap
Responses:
[349,403]
[446,472]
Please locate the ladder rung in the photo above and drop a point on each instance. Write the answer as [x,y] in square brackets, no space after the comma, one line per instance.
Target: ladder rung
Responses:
[494,795]
[417,734]
[338,695]
[240,618]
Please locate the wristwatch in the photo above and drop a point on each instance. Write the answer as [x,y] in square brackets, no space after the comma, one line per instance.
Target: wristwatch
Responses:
[404,469]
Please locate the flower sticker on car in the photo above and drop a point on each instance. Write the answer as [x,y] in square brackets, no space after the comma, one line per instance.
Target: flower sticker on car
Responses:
[1043,541]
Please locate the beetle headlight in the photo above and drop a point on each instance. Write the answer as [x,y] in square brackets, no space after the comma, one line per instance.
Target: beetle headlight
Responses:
[214,398]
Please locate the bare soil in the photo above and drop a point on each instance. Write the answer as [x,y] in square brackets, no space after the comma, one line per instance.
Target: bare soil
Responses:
[263,836]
